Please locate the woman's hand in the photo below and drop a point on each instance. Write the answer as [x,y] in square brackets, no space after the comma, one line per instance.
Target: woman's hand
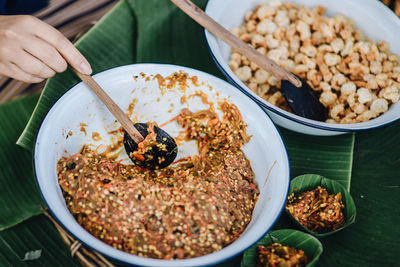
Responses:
[31,50]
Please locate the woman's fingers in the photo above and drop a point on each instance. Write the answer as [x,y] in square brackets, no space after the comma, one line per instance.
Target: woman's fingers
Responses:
[63,46]
[45,53]
[31,65]
[31,50]
[13,71]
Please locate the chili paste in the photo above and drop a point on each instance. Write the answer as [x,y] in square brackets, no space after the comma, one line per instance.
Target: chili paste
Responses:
[276,254]
[317,210]
[191,208]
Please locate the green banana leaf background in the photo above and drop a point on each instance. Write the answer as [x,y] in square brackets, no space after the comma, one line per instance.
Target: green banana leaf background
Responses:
[365,163]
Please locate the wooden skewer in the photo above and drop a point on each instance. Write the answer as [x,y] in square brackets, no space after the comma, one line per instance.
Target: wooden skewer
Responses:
[112,107]
[81,252]
[253,55]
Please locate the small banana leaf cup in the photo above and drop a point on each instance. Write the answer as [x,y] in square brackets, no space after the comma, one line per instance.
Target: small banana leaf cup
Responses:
[311,181]
[287,237]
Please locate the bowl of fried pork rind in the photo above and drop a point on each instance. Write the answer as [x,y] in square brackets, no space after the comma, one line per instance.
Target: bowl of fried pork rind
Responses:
[346,50]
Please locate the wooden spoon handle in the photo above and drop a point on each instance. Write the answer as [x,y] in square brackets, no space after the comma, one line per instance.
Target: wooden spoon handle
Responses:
[253,55]
[112,107]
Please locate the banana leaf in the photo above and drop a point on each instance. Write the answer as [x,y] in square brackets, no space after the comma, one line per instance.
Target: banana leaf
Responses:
[287,237]
[171,38]
[34,234]
[328,156]
[19,197]
[373,239]
[154,31]
[311,181]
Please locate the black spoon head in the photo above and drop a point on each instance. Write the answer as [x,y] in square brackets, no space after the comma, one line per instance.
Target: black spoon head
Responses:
[158,156]
[304,101]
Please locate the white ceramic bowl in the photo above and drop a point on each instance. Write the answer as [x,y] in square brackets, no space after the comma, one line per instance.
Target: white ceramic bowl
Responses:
[372,17]
[265,151]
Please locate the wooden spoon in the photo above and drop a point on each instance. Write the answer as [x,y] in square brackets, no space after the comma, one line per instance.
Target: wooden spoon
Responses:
[299,95]
[155,158]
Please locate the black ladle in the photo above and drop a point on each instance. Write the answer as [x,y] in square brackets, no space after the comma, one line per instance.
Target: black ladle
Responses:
[159,155]
[300,96]
[304,101]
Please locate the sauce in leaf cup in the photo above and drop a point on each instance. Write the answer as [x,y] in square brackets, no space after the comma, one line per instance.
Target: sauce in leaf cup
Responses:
[319,205]
[287,237]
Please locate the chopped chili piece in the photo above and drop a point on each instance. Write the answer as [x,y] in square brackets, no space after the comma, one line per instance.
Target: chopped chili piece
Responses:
[138,156]
[96,136]
[317,210]
[279,255]
[198,206]
[83,128]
